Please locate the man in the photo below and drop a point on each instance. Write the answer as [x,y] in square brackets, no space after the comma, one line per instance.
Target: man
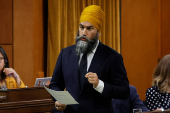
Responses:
[127,106]
[91,72]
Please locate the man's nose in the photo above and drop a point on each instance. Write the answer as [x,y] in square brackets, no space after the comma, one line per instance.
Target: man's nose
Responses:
[85,32]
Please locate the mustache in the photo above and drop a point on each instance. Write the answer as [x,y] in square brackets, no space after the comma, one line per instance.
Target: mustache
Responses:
[82,36]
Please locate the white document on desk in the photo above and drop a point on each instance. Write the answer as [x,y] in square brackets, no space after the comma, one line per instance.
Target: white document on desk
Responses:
[62,97]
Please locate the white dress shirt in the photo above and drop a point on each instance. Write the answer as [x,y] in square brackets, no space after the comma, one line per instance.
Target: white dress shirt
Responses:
[90,55]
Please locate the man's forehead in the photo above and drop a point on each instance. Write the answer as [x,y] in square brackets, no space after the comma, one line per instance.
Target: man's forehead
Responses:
[86,24]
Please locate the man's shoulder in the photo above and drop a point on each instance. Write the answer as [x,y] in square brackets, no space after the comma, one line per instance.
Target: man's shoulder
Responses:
[68,49]
[132,87]
[133,90]
[108,49]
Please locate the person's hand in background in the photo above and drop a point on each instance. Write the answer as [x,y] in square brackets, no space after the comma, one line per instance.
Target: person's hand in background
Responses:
[12,73]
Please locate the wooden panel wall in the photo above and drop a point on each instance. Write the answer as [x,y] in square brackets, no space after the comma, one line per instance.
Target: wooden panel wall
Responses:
[22,37]
[165,27]
[139,41]
[28,39]
[6,28]
[5,21]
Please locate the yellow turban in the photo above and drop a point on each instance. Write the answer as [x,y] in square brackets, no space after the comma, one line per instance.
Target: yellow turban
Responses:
[94,15]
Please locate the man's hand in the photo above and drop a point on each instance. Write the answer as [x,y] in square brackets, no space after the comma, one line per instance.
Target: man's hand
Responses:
[60,107]
[92,78]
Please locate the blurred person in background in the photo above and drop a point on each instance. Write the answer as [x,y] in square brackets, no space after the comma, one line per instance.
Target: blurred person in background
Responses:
[8,77]
[132,102]
[158,96]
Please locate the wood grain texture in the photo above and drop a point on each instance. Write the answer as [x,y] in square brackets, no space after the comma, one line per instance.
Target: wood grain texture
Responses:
[139,41]
[165,27]
[28,39]
[5,21]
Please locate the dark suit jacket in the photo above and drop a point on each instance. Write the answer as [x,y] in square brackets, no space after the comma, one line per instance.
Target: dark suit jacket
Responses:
[108,65]
[127,106]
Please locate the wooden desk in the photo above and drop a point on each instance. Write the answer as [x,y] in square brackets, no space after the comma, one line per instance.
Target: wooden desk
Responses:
[166,111]
[25,100]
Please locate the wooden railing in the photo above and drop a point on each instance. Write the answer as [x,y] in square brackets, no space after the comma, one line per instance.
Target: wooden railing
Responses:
[25,100]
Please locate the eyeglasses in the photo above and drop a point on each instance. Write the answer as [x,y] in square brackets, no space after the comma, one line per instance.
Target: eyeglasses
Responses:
[1,59]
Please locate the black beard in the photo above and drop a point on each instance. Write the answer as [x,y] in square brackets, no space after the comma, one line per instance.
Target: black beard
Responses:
[85,46]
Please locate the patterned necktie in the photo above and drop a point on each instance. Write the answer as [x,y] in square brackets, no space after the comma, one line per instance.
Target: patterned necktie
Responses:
[83,69]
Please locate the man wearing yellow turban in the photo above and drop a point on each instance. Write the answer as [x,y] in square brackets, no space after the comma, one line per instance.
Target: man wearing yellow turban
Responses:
[91,72]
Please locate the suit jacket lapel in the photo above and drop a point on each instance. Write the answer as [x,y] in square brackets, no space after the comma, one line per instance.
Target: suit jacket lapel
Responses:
[98,57]
[74,63]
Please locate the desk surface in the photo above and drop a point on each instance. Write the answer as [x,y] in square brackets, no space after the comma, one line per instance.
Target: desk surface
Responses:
[165,111]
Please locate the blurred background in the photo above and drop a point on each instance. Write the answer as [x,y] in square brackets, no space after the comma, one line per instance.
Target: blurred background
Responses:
[33,32]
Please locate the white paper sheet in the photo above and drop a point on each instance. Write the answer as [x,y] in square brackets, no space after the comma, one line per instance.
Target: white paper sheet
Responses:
[62,97]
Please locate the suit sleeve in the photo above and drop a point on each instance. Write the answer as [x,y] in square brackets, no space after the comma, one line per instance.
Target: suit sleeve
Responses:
[135,100]
[57,81]
[118,86]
